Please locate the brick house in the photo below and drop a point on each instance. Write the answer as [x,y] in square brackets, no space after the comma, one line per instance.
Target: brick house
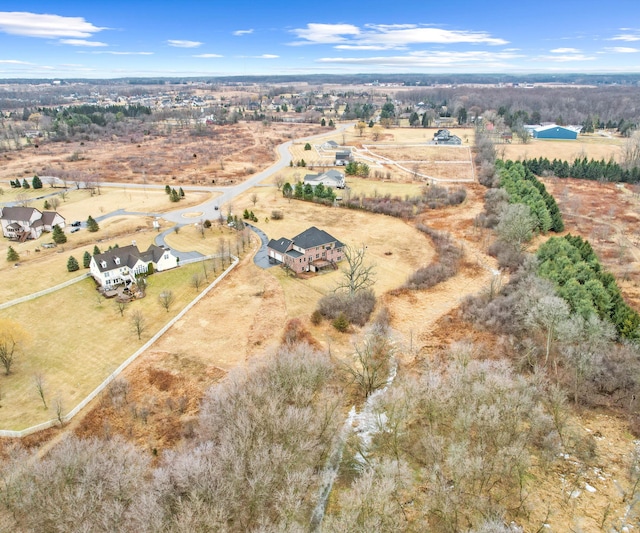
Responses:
[311,250]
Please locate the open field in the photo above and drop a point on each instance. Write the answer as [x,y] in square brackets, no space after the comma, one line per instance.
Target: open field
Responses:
[171,154]
[79,340]
[589,146]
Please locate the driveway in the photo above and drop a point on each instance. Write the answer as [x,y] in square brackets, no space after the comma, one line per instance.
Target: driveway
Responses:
[261,258]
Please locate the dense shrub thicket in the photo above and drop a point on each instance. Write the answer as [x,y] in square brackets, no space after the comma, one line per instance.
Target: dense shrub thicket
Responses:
[432,197]
[572,265]
[582,168]
[446,266]
[523,187]
[356,307]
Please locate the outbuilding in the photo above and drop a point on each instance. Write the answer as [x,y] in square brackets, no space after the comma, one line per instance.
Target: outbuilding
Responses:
[555,132]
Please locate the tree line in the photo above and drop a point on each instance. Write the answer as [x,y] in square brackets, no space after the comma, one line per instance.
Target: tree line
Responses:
[583,168]
[572,265]
[524,188]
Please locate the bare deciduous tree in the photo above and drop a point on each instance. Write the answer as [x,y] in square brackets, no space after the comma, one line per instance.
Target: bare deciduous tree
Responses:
[197,280]
[12,337]
[121,306]
[138,323]
[254,198]
[166,299]
[358,275]
[39,383]
[369,369]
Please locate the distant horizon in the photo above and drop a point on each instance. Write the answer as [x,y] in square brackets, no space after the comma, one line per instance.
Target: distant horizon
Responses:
[146,39]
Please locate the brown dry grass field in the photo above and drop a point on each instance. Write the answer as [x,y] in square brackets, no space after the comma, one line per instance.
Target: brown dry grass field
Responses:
[245,316]
[589,146]
[171,155]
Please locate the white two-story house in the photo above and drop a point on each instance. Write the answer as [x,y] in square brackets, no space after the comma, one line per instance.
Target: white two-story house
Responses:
[120,266]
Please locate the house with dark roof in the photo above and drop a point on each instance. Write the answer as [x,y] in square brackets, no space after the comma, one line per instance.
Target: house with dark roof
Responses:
[343,157]
[311,250]
[21,223]
[120,266]
[445,137]
[331,178]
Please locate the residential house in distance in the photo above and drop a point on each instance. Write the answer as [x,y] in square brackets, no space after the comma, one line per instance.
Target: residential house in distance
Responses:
[445,137]
[331,178]
[120,266]
[22,223]
[343,157]
[312,250]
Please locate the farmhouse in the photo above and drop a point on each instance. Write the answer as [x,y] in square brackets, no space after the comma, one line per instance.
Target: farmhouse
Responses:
[120,266]
[22,223]
[312,250]
[445,137]
[331,178]
[554,131]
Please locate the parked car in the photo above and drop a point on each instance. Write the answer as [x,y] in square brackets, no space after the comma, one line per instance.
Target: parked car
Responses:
[76,224]
[73,230]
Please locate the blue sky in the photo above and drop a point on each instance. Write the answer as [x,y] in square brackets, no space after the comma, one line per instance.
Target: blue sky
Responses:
[238,37]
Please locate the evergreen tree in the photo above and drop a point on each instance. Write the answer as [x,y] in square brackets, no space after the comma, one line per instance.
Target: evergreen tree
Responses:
[299,190]
[59,236]
[181,193]
[287,190]
[307,146]
[25,184]
[174,196]
[167,189]
[46,205]
[96,250]
[36,182]
[86,260]
[92,225]
[323,122]
[12,255]
[72,264]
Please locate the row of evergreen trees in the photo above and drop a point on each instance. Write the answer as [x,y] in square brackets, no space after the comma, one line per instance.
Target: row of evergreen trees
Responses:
[36,183]
[582,168]
[308,192]
[524,188]
[572,265]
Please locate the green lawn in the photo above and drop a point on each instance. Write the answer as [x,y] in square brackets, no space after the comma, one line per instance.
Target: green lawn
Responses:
[76,342]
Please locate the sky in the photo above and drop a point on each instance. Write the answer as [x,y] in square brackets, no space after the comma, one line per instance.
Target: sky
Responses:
[94,39]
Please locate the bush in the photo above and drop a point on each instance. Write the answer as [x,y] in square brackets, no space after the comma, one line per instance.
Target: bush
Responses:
[341,322]
[277,214]
[508,257]
[356,307]
[316,318]
[295,333]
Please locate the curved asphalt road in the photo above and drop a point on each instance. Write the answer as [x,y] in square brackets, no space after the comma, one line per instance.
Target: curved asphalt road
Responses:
[208,208]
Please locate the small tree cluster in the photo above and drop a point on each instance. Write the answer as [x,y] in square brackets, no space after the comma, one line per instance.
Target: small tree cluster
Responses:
[357,168]
[249,215]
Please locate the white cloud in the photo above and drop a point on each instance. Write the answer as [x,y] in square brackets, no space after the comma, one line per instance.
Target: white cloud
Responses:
[564,58]
[565,51]
[629,37]
[82,42]
[207,55]
[388,37]
[240,33]
[267,56]
[13,62]
[37,25]
[430,59]
[114,53]
[184,44]
[622,50]
[325,33]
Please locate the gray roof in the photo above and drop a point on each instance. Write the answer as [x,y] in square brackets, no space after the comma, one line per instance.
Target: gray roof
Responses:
[128,256]
[279,245]
[18,213]
[312,237]
[153,254]
[334,175]
[48,217]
